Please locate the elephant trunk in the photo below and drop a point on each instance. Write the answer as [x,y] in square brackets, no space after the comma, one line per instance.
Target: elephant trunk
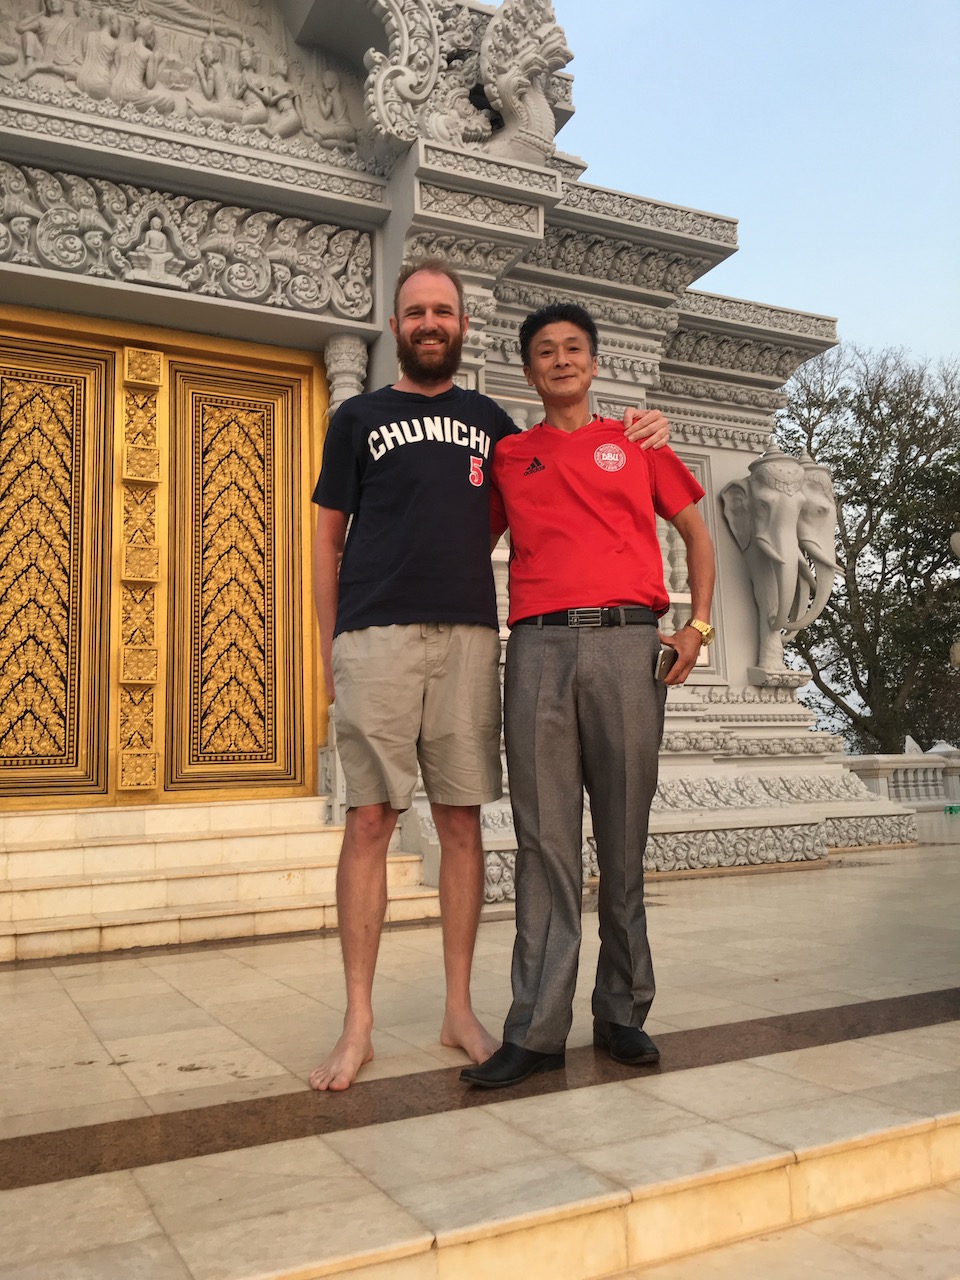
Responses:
[826,575]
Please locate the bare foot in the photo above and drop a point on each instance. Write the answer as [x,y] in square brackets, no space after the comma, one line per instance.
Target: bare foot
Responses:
[465,1031]
[350,1053]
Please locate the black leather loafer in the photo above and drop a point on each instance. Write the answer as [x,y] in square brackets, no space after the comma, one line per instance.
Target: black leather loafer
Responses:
[629,1045]
[510,1065]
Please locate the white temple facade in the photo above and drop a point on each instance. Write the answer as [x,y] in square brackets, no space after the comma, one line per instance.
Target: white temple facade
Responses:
[203,208]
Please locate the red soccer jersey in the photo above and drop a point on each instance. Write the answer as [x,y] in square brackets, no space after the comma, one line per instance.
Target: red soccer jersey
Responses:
[582,507]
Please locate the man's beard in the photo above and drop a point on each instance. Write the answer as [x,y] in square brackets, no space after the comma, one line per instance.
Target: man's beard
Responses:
[438,365]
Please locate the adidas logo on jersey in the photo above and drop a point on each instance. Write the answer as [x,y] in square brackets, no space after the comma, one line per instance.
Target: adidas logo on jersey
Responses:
[535,465]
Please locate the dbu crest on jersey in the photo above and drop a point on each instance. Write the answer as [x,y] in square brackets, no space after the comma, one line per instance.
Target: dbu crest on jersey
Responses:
[610,457]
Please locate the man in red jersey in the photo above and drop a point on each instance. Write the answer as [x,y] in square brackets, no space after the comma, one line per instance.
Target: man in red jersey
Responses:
[582,702]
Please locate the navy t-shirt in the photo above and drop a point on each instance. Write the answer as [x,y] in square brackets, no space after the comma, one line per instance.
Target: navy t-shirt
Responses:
[414,473]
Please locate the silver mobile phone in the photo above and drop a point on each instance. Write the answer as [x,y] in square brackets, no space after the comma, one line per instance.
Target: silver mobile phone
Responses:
[665,661]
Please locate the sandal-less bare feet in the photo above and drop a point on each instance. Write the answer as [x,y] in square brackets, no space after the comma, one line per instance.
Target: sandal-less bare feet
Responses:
[465,1031]
[352,1051]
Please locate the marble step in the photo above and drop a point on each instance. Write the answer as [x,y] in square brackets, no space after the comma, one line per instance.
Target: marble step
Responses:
[167,851]
[571,1224]
[247,884]
[27,829]
[94,932]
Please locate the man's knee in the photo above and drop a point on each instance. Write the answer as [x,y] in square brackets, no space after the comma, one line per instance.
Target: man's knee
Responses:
[368,826]
[458,825]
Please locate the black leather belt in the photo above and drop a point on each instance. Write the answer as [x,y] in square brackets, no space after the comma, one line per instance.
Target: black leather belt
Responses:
[615,615]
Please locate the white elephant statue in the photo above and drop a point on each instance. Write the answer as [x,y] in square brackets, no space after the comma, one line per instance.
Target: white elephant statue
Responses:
[784,517]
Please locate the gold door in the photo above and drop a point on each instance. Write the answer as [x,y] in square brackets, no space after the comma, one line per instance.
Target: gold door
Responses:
[156,629]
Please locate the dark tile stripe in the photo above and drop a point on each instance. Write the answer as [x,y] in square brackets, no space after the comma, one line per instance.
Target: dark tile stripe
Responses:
[126,1144]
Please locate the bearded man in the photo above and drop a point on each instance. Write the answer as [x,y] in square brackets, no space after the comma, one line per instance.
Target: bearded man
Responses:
[410,643]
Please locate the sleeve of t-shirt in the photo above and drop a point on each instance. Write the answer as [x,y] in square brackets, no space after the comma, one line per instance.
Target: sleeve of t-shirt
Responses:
[340,474]
[674,485]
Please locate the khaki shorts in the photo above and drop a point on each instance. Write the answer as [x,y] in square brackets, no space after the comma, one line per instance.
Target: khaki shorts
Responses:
[428,693]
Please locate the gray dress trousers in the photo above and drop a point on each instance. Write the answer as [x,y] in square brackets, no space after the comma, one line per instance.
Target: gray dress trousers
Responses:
[582,708]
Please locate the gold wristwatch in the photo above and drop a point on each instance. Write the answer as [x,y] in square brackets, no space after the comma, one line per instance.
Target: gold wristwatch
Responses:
[707,633]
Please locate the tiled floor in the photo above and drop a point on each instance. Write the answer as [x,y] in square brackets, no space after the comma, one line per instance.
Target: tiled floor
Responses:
[175,1083]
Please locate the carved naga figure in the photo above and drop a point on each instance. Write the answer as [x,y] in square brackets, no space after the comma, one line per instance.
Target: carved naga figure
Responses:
[783,517]
[522,47]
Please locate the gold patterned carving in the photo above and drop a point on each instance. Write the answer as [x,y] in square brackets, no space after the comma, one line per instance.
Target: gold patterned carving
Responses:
[141,564]
[141,366]
[138,770]
[139,517]
[139,664]
[139,656]
[53,467]
[137,615]
[237,661]
[136,718]
[141,465]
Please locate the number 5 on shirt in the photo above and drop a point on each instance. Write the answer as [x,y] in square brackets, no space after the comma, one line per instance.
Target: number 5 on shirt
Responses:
[476,471]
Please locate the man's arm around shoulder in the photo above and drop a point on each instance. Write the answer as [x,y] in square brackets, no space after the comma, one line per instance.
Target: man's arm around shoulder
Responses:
[327,550]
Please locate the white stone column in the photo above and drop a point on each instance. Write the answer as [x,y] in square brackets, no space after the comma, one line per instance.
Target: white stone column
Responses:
[345,357]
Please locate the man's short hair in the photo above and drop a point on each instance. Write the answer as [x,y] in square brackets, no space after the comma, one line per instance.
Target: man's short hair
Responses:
[553,313]
[438,266]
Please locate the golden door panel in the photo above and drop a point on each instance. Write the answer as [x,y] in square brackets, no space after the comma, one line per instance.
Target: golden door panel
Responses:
[55,478]
[235,683]
[154,564]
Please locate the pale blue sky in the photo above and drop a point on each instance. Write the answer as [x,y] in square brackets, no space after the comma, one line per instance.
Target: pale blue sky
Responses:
[829,128]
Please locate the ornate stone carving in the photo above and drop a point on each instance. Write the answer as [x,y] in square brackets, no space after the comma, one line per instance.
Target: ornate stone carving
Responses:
[499,883]
[783,517]
[627,315]
[748,695]
[581,253]
[306,168]
[807,744]
[703,741]
[720,350]
[484,257]
[650,214]
[850,833]
[721,392]
[480,208]
[495,171]
[175,64]
[121,232]
[521,48]
[401,80]
[345,360]
[736,311]
[737,847]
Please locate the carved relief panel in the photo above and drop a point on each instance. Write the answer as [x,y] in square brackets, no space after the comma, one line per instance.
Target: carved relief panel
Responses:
[236,660]
[55,473]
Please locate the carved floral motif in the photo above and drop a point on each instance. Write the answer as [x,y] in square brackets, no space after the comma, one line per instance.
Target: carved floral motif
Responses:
[740,847]
[480,208]
[581,253]
[648,213]
[736,311]
[117,231]
[703,347]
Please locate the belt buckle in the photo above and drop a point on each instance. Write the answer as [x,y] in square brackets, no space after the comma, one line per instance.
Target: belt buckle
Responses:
[584,617]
